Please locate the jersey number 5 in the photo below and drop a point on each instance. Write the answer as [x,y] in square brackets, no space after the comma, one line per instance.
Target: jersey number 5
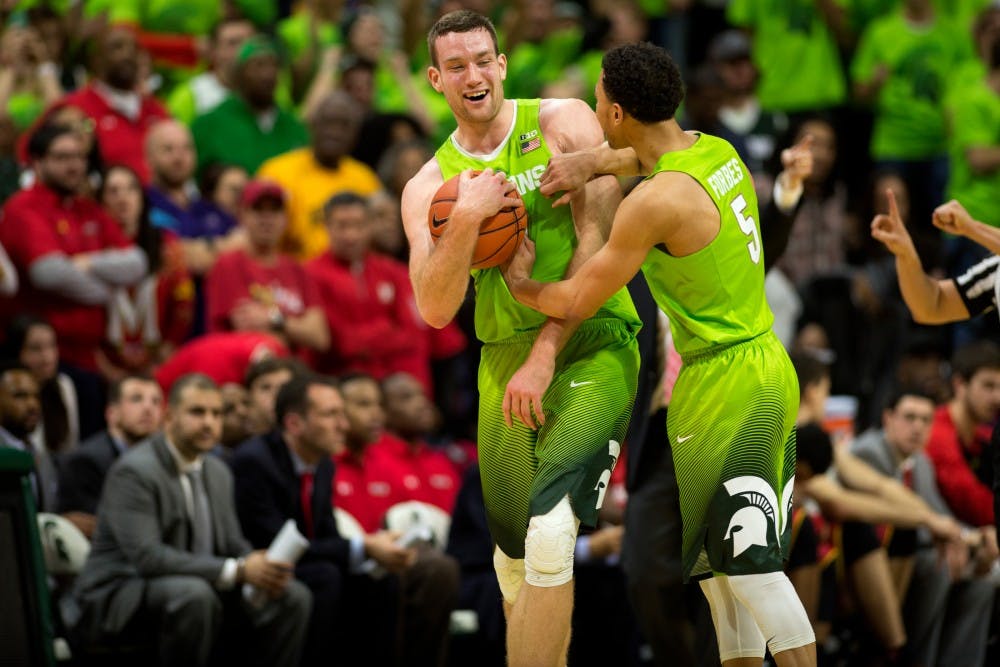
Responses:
[747,226]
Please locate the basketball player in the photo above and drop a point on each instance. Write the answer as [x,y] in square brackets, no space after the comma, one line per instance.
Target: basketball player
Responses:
[692,227]
[564,387]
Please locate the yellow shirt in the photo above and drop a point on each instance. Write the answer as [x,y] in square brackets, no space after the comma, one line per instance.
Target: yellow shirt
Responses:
[309,186]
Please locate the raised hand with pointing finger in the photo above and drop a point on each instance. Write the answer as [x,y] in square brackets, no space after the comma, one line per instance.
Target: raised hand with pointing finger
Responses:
[890,230]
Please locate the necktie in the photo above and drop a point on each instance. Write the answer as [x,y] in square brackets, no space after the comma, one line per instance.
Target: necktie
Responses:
[201,520]
[306,491]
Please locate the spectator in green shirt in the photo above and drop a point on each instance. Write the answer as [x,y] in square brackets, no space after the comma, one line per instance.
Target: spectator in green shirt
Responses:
[902,67]
[249,127]
[795,48]
[204,92]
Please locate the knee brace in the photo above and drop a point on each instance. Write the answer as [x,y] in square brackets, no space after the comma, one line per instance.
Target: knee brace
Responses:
[775,605]
[510,574]
[735,627]
[550,546]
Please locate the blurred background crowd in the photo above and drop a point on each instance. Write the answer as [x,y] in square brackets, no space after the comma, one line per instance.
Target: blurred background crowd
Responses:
[213,186]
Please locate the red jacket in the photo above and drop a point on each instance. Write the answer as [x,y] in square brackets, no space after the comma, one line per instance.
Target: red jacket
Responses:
[364,487]
[121,140]
[969,499]
[224,357]
[419,472]
[374,324]
[37,222]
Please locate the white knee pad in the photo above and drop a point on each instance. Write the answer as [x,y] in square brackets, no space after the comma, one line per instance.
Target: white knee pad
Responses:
[775,605]
[550,546]
[735,628]
[510,574]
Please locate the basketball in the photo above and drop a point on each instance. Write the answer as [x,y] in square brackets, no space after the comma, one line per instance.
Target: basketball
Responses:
[499,236]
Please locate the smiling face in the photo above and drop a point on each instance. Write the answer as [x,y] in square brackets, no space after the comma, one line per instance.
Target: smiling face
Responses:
[470,74]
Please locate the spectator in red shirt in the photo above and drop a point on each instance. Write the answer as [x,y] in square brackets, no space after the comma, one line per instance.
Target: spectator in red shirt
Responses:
[364,486]
[71,255]
[368,301]
[960,437]
[121,114]
[426,474]
[224,357]
[259,288]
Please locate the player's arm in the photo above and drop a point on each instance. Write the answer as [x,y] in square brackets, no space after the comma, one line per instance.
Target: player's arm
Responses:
[440,272]
[567,125]
[579,296]
[952,217]
[930,301]
[842,504]
[570,171]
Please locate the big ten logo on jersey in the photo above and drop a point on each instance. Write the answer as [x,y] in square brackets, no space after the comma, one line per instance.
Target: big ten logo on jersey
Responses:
[726,177]
[614,450]
[528,180]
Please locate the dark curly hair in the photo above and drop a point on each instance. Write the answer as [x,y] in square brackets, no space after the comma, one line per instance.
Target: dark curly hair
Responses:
[644,80]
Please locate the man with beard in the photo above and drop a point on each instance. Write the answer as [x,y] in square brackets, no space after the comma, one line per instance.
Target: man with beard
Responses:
[121,115]
[169,557]
[20,412]
[249,127]
[260,288]
[69,252]
[959,443]
[311,175]
[133,414]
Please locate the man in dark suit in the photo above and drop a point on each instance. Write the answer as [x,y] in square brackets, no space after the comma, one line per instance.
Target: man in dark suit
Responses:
[134,412]
[168,554]
[288,473]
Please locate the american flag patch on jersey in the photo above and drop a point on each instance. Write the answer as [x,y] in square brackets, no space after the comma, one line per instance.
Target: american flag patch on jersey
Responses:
[530,145]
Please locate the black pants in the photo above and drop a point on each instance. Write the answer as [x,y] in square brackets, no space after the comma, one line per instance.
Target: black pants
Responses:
[651,558]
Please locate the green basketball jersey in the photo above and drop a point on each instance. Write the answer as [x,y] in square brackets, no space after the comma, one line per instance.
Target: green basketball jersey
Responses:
[714,296]
[523,156]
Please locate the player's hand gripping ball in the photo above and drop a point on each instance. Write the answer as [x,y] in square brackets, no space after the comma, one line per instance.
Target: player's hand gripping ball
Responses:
[499,236]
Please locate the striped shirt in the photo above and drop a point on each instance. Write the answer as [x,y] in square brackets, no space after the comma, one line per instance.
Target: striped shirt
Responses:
[978,286]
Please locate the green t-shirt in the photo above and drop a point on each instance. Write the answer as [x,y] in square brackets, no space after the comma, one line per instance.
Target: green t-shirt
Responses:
[294,34]
[230,134]
[523,156]
[976,115]
[909,122]
[714,296]
[187,17]
[530,66]
[795,52]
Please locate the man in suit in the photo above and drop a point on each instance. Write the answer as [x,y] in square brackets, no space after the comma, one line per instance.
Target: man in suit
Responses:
[134,412]
[288,473]
[168,553]
[947,619]
[20,412]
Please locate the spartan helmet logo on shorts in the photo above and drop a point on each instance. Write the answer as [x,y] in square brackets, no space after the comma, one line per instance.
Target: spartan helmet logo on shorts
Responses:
[749,525]
[614,450]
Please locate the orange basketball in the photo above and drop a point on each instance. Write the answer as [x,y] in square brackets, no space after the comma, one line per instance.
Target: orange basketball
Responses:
[499,236]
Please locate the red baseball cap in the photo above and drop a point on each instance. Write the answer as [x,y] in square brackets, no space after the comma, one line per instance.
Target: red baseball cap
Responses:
[259,189]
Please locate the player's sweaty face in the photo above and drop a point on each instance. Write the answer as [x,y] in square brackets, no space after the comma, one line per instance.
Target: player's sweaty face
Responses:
[470,74]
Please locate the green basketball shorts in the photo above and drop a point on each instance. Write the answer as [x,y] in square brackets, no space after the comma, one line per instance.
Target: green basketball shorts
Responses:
[587,409]
[731,423]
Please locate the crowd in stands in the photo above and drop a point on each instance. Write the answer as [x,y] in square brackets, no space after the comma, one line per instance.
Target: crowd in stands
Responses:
[203,275]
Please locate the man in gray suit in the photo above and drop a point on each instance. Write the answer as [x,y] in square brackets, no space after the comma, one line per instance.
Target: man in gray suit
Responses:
[168,556]
[947,612]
